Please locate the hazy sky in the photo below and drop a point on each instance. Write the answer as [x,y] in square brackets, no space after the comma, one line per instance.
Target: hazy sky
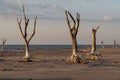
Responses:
[51,23]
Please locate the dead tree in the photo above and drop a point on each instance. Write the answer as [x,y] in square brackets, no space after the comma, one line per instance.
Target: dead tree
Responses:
[73,32]
[3,44]
[25,33]
[102,44]
[93,51]
[114,43]
[94,54]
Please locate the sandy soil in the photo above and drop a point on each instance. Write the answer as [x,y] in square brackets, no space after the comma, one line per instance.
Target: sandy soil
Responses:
[51,65]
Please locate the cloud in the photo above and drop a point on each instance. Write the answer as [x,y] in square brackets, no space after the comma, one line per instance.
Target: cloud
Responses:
[20,3]
[46,9]
[107,18]
[68,0]
[8,8]
[111,19]
[42,5]
[89,0]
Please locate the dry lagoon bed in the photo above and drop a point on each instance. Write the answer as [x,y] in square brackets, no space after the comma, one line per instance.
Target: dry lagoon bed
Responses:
[51,65]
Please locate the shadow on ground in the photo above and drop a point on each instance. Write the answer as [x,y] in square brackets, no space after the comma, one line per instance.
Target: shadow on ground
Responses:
[105,63]
[35,79]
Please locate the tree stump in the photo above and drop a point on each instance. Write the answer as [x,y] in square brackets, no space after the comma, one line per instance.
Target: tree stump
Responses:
[94,55]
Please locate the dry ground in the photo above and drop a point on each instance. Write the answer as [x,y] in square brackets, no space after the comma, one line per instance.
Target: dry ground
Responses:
[51,65]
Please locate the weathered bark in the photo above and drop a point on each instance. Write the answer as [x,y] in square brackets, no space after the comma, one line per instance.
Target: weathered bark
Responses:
[25,34]
[27,55]
[3,44]
[94,54]
[73,32]
[74,46]
[94,40]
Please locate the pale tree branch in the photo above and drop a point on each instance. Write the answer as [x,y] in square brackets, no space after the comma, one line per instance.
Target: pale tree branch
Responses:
[33,30]
[26,26]
[78,20]
[71,17]
[98,27]
[26,22]
[74,29]
[25,18]
[4,41]
[19,21]
[95,29]
[68,22]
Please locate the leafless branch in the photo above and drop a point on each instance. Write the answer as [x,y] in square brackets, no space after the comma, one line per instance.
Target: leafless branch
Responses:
[33,30]
[68,22]
[19,21]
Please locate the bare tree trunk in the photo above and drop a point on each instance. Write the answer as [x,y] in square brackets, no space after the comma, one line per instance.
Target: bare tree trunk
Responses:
[2,48]
[93,42]
[74,46]
[27,55]
[114,43]
[93,51]
[102,44]
[94,54]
